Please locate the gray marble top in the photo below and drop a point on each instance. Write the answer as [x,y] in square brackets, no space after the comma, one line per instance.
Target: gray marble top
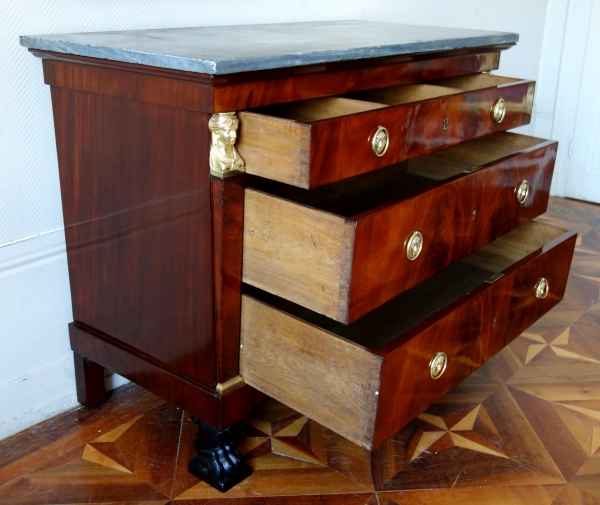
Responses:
[229,49]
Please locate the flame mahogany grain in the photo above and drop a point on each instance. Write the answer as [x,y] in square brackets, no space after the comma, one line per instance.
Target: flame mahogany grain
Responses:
[207,93]
[450,231]
[456,312]
[153,243]
[335,144]
[475,338]
[430,194]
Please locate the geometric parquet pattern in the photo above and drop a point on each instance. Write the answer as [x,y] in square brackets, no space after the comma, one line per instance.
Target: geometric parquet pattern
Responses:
[523,429]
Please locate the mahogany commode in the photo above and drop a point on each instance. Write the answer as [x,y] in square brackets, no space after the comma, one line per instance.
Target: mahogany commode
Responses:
[318,212]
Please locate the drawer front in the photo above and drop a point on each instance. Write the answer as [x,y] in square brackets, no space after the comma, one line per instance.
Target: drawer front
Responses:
[469,114]
[345,267]
[454,219]
[469,336]
[313,143]
[368,392]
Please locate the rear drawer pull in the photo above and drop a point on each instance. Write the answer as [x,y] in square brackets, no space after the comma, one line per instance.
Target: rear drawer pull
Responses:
[494,278]
[498,110]
[522,191]
[380,141]
[470,170]
[437,365]
[414,245]
[542,288]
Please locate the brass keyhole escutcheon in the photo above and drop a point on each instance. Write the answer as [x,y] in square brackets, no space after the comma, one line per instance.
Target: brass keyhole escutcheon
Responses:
[522,191]
[414,245]
[542,288]
[498,110]
[380,141]
[437,365]
[445,124]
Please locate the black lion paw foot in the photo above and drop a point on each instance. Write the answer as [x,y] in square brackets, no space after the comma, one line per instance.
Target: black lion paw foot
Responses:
[220,462]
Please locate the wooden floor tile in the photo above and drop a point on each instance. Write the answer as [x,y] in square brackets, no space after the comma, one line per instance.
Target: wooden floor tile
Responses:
[336,499]
[36,459]
[46,432]
[513,495]
[524,428]
[441,449]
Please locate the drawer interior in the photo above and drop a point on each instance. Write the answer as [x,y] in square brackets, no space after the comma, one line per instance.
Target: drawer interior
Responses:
[393,320]
[319,109]
[369,192]
[475,81]
[409,93]
[446,163]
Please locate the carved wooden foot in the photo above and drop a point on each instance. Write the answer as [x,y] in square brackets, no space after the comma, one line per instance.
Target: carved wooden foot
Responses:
[218,462]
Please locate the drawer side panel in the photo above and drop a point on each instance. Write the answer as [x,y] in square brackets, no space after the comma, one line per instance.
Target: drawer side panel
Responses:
[275,148]
[298,253]
[324,377]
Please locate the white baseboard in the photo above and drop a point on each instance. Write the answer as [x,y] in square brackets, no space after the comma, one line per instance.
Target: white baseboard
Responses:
[45,393]
[37,378]
[36,397]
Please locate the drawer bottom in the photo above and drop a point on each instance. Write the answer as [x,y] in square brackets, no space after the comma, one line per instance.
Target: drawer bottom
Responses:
[368,379]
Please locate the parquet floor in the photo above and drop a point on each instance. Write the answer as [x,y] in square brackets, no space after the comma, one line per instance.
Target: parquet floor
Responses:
[525,428]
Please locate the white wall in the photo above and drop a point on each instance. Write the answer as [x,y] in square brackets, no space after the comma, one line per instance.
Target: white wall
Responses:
[570,98]
[36,377]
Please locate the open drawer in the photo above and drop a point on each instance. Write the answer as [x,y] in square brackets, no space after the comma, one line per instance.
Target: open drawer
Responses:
[345,249]
[368,379]
[319,141]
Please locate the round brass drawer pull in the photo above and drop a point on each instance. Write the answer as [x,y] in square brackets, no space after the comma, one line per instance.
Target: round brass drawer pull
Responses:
[542,288]
[380,141]
[414,244]
[437,365]
[522,191]
[498,110]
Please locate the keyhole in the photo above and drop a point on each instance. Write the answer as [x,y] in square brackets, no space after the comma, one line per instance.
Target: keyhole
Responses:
[445,123]
[473,215]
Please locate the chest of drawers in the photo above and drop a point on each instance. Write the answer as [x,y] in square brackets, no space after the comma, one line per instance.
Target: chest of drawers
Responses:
[344,225]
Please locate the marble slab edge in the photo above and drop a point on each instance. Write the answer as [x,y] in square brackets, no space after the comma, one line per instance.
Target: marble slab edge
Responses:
[263,62]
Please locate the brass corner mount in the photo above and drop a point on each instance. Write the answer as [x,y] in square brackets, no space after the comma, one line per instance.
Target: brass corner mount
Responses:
[224,160]
[233,383]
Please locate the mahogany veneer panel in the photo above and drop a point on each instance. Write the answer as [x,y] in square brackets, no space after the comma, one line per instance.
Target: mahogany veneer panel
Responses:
[227,205]
[340,250]
[301,358]
[317,142]
[137,212]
